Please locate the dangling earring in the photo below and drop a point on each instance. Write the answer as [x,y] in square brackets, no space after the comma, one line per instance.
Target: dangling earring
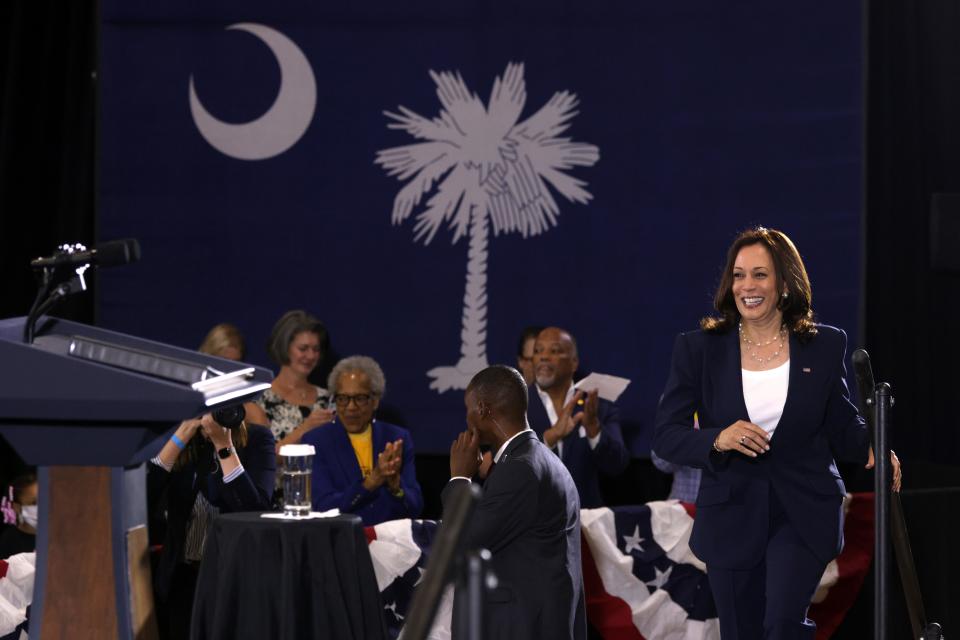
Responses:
[785,294]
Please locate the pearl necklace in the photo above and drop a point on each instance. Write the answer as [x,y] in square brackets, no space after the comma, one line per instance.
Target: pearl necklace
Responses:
[753,346]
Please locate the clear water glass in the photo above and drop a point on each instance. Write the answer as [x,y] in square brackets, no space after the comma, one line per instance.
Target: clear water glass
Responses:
[296,462]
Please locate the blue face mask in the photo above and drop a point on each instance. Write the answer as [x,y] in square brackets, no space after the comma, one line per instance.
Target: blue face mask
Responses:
[28,515]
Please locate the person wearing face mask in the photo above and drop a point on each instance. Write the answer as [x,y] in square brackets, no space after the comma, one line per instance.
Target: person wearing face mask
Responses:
[21,538]
[583,429]
[363,465]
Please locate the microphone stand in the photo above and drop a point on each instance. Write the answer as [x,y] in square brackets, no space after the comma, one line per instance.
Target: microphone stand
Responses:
[882,403]
[44,302]
[475,579]
[888,511]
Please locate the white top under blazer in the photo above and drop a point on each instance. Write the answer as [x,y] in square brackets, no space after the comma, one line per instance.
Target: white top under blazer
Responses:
[765,393]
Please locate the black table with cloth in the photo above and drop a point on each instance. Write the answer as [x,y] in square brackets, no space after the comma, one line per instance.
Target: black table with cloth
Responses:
[287,579]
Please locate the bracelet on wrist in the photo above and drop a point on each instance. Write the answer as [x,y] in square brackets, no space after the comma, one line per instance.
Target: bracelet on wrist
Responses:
[177,442]
[716,447]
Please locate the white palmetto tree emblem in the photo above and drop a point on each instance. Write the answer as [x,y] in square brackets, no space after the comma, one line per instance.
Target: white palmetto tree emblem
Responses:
[482,168]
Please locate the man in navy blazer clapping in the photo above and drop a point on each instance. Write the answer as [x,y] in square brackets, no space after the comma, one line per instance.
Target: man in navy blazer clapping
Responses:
[581,428]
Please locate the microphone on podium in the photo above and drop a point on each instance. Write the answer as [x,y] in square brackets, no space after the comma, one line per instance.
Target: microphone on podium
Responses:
[108,254]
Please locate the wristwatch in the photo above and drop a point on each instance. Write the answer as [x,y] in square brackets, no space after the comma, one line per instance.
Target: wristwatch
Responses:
[224,453]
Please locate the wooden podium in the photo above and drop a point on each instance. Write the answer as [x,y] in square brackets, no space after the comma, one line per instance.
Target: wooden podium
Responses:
[89,407]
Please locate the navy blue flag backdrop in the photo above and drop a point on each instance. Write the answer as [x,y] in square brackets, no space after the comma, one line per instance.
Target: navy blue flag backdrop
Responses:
[429,177]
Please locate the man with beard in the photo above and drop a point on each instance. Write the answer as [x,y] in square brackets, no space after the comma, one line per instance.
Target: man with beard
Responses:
[529,516]
[581,428]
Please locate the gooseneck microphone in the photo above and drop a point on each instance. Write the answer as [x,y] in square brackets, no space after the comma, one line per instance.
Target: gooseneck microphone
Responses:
[62,274]
[108,254]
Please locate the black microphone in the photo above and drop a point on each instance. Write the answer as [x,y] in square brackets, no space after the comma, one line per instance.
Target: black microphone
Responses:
[865,384]
[108,254]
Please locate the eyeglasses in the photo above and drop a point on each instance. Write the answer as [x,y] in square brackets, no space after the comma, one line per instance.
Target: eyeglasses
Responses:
[361,399]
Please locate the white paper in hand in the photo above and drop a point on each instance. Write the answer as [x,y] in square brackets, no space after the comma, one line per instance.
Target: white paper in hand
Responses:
[608,387]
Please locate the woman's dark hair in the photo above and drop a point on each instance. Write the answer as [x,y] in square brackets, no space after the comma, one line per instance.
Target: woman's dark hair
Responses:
[20,483]
[791,278]
[288,326]
[528,332]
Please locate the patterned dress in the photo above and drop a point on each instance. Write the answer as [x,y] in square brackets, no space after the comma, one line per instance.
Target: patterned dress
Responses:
[285,416]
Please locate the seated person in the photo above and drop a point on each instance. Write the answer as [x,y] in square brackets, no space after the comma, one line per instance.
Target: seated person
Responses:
[219,471]
[22,536]
[686,480]
[363,465]
[292,406]
[528,339]
[224,341]
[589,441]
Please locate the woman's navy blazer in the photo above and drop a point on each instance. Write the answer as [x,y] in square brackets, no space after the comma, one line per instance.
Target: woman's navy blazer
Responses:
[818,422]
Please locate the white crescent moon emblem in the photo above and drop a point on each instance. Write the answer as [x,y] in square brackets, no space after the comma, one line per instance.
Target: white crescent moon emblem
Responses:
[284,123]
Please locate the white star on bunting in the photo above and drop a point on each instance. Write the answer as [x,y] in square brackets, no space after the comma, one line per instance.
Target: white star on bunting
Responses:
[633,541]
[660,578]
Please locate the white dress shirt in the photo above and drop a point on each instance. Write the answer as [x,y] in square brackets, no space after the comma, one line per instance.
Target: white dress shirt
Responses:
[765,393]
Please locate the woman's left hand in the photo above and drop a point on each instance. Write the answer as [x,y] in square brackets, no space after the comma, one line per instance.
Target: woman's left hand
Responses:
[894,462]
[219,436]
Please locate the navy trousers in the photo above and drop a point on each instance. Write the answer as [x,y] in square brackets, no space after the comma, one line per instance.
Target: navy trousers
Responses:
[770,600]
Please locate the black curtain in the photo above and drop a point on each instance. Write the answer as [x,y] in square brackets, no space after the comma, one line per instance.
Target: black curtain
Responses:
[912,153]
[48,54]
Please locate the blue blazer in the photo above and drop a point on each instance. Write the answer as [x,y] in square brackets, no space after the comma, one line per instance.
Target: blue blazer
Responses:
[818,423]
[610,457]
[338,481]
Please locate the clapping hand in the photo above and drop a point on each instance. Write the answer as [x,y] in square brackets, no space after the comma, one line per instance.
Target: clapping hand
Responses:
[590,418]
[566,422]
[388,467]
[391,464]
[895,463]
[465,454]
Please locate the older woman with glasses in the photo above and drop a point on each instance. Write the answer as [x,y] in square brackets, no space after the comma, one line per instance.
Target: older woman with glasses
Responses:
[363,465]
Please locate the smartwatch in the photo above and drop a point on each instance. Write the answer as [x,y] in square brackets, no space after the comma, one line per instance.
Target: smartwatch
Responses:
[224,453]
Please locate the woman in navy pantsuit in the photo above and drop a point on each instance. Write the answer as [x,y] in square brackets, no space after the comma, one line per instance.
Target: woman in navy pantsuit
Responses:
[769,387]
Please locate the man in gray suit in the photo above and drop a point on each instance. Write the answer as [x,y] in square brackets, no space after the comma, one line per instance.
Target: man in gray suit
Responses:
[529,516]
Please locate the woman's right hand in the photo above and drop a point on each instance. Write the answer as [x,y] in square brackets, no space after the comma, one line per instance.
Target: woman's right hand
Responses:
[744,437]
[317,418]
[388,465]
[188,429]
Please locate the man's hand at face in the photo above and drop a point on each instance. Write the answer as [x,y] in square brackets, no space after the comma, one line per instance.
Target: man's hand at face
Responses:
[465,454]
[485,465]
